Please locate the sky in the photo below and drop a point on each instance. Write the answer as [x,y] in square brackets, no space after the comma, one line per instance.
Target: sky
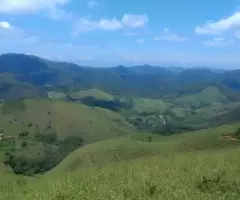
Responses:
[128,32]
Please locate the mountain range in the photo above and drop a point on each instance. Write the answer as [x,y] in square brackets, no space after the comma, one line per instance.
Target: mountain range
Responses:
[29,76]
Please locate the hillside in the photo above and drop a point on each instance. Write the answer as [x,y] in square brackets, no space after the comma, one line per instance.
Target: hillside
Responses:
[92,93]
[33,115]
[205,97]
[146,145]
[36,134]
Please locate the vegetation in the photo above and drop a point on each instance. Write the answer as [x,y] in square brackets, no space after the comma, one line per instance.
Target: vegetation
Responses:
[141,132]
[40,154]
[132,167]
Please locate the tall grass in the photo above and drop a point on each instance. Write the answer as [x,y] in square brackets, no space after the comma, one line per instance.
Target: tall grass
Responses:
[195,166]
[192,175]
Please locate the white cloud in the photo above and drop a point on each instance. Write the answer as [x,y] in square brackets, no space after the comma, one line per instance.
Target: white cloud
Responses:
[133,21]
[8,31]
[92,4]
[169,36]
[220,26]
[204,31]
[29,6]
[4,25]
[140,40]
[112,24]
[219,42]
[85,25]
[128,21]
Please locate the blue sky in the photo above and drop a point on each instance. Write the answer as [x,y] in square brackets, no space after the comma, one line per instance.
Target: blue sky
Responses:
[112,32]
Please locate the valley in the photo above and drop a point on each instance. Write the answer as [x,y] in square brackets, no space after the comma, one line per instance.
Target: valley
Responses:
[140,132]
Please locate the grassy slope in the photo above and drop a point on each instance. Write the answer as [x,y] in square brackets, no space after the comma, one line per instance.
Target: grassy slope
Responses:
[208,95]
[171,172]
[93,124]
[206,176]
[98,94]
[137,146]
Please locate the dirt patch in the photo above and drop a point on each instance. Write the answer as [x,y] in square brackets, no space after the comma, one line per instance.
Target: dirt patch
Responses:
[229,138]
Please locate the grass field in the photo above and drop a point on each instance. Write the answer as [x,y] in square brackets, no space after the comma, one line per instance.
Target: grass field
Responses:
[197,165]
[93,124]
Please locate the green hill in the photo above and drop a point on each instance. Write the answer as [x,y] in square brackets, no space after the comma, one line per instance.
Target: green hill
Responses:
[35,135]
[94,93]
[205,97]
[93,124]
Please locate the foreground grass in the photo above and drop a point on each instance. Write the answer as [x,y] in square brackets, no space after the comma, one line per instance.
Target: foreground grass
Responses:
[191,175]
[196,166]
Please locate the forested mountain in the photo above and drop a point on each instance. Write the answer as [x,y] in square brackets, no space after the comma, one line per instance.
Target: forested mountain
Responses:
[36,76]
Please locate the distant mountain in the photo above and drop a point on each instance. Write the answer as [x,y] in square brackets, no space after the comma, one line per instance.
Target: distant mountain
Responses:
[176,69]
[39,75]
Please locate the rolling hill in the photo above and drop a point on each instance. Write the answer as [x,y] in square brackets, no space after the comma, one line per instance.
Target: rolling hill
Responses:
[36,134]
[142,145]
[33,115]
[206,96]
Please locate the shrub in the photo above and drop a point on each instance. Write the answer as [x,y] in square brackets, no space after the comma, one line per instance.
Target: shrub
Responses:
[49,138]
[23,134]
[24,144]
[30,124]
[237,133]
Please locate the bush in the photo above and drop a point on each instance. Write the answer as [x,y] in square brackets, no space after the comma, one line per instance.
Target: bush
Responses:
[30,125]
[49,138]
[24,144]
[40,157]
[23,134]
